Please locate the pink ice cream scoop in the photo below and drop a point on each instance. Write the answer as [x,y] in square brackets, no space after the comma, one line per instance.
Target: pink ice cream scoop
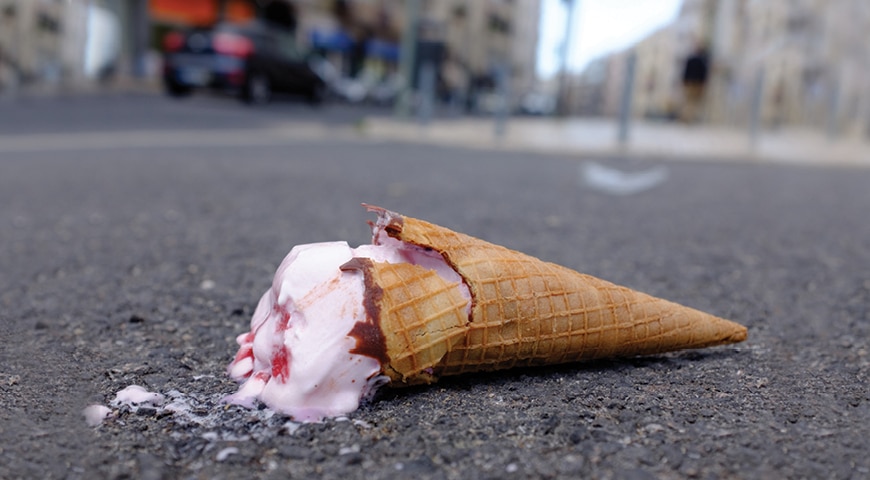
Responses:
[306,354]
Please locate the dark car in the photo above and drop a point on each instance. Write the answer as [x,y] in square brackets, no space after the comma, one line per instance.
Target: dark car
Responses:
[249,60]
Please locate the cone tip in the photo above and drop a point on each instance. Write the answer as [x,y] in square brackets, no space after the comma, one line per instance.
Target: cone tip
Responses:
[740,333]
[728,332]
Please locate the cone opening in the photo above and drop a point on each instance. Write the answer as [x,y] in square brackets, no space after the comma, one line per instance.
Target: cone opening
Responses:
[385,232]
[389,224]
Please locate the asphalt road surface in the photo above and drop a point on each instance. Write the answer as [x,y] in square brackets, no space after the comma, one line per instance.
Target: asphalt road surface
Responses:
[138,234]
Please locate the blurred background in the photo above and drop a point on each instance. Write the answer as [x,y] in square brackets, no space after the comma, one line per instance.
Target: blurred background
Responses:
[159,157]
[742,65]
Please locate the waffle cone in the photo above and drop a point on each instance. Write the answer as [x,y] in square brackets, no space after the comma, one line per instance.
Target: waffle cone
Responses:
[524,311]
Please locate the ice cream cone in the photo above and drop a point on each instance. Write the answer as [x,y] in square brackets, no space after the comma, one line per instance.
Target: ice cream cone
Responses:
[524,311]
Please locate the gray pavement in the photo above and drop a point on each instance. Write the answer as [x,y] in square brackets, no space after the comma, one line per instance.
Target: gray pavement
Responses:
[138,262]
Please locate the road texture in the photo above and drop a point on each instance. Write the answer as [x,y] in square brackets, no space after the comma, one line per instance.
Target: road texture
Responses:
[139,264]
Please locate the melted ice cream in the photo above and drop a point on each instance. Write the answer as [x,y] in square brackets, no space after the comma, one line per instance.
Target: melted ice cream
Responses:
[95,414]
[136,395]
[297,358]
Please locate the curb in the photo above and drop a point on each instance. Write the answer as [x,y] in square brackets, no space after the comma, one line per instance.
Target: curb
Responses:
[118,86]
[593,137]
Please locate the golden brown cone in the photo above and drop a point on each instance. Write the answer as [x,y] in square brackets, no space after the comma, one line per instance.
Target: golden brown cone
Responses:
[524,311]
[421,316]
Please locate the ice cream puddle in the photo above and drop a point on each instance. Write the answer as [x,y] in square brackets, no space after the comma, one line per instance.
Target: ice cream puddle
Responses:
[422,302]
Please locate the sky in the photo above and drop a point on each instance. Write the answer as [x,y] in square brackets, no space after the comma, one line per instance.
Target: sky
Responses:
[599,27]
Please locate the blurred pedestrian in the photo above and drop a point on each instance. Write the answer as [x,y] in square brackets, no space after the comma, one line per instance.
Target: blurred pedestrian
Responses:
[695,76]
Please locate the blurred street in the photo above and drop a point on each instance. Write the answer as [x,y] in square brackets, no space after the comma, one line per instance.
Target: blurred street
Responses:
[139,232]
[142,118]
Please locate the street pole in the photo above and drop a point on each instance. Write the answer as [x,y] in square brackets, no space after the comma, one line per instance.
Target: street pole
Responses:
[720,59]
[625,111]
[138,19]
[835,107]
[562,94]
[407,55]
[427,92]
[503,94]
[756,108]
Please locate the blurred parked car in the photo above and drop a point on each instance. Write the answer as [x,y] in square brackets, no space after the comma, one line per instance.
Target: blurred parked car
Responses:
[249,60]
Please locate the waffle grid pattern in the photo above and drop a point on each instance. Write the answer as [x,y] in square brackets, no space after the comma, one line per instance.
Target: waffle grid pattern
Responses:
[422,317]
[529,312]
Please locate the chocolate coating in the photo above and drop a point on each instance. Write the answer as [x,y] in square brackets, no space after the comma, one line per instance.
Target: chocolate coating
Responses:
[370,339]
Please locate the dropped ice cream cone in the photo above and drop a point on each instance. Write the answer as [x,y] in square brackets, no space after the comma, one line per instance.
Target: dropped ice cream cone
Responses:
[527,312]
[424,302]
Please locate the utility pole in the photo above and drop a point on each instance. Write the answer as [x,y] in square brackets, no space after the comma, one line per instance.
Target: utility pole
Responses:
[562,95]
[407,57]
[137,18]
[722,25]
[627,106]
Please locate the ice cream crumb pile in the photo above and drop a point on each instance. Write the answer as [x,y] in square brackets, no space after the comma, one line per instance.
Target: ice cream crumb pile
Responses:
[134,397]
[201,419]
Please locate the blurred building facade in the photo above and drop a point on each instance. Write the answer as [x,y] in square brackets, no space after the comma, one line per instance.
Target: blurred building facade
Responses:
[485,36]
[32,35]
[51,41]
[797,62]
[58,42]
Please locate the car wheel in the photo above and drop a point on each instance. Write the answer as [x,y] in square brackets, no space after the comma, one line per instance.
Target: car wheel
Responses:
[318,94]
[258,90]
[177,91]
